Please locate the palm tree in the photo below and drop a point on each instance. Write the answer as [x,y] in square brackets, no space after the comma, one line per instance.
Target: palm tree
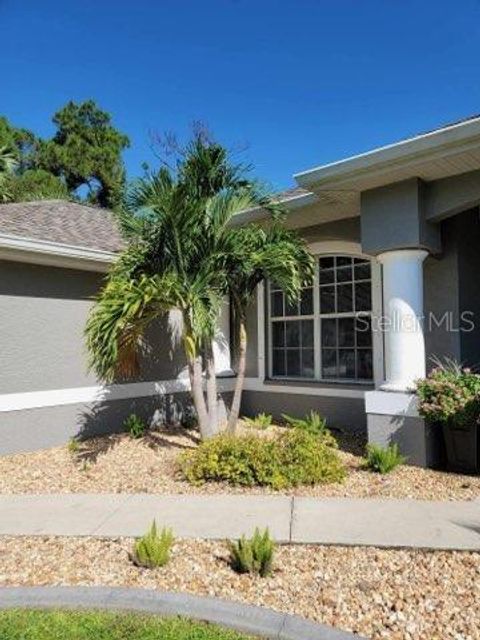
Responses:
[8,162]
[172,262]
[185,253]
[254,254]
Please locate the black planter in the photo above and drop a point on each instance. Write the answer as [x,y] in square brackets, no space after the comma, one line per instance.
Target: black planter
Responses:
[462,447]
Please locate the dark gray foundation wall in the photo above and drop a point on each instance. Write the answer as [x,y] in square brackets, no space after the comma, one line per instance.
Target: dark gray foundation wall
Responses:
[45,427]
[347,414]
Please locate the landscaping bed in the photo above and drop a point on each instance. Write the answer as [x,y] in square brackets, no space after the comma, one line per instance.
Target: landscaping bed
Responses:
[47,625]
[392,594]
[121,464]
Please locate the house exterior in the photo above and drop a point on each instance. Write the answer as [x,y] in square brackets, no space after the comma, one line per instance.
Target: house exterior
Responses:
[396,237]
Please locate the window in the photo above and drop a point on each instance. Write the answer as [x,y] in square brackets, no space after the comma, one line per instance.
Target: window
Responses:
[292,334]
[327,333]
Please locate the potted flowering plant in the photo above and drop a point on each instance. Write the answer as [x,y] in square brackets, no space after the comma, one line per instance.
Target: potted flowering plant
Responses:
[450,397]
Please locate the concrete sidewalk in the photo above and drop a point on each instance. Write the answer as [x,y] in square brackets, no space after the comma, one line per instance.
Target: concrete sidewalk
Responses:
[345,521]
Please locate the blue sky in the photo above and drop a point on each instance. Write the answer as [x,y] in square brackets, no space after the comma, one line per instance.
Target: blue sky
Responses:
[297,82]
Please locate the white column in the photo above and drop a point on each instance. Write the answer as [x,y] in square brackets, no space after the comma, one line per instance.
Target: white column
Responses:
[221,343]
[403,317]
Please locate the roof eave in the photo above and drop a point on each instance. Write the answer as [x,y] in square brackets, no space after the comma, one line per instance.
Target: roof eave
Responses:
[290,204]
[443,142]
[43,252]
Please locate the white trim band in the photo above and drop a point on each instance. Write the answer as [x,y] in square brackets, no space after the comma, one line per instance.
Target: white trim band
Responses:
[85,395]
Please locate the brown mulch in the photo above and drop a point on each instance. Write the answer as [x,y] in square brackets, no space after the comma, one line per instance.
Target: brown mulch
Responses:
[120,464]
[382,594]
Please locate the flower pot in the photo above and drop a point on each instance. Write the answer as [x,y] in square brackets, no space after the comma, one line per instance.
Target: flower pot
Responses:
[462,445]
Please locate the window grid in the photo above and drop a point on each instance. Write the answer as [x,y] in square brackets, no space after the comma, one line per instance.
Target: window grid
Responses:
[353,360]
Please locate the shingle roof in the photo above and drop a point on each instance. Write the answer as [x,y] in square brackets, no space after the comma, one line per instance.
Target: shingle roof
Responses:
[293,192]
[61,222]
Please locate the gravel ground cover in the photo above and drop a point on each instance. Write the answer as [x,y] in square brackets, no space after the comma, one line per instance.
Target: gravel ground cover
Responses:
[121,464]
[398,595]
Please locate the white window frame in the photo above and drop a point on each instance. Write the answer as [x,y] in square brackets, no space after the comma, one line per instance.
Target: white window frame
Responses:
[323,249]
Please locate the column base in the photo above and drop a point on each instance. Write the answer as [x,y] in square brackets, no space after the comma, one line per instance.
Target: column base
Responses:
[392,418]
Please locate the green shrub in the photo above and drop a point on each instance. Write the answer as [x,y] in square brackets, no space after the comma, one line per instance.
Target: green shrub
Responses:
[291,459]
[135,426]
[253,555]
[450,394]
[260,421]
[383,460]
[153,549]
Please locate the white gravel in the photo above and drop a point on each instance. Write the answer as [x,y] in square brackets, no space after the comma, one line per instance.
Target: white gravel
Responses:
[398,595]
[118,464]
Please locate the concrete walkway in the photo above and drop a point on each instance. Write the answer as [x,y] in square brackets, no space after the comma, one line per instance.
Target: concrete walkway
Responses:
[345,521]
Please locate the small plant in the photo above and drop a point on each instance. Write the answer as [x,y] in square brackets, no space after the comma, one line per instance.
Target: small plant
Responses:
[153,549]
[73,446]
[383,459]
[254,555]
[314,424]
[135,426]
[260,421]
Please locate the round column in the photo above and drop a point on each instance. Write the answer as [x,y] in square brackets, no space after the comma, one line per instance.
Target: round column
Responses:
[403,318]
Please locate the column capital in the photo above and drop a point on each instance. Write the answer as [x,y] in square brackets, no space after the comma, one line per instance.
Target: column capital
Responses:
[402,255]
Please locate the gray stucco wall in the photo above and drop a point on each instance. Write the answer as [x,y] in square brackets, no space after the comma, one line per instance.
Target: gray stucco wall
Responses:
[393,217]
[469,281]
[452,288]
[43,311]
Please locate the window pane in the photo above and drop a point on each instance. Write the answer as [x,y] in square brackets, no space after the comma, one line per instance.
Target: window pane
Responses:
[308,368]
[291,308]
[307,333]
[327,299]
[278,334]
[326,263]
[363,297]
[277,304]
[346,363]
[343,261]
[293,333]
[329,333]
[364,364]
[329,363]
[326,276]
[363,329]
[306,304]
[362,271]
[293,362]
[346,332]
[344,274]
[344,298]
[278,362]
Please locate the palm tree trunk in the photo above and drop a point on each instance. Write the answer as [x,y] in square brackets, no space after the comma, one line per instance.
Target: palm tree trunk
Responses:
[196,384]
[212,398]
[242,364]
